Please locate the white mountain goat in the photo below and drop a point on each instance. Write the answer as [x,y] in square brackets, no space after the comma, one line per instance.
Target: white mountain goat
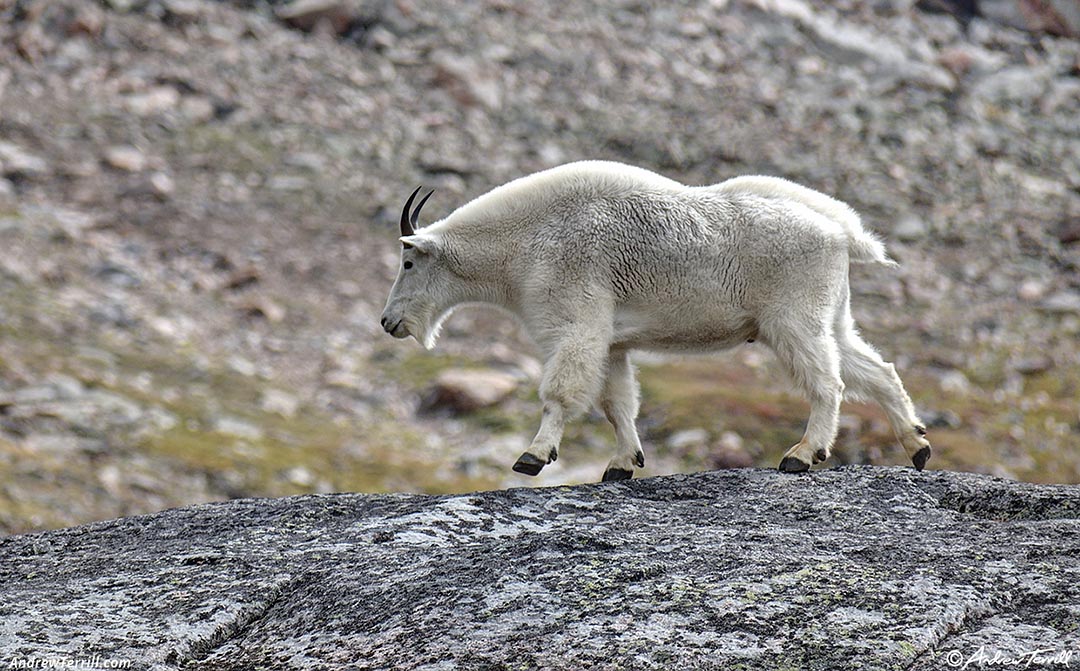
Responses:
[597,259]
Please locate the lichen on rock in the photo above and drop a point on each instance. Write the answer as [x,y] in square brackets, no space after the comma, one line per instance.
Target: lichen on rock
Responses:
[855,567]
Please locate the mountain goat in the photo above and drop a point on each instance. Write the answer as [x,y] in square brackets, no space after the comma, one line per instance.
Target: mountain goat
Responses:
[598,258]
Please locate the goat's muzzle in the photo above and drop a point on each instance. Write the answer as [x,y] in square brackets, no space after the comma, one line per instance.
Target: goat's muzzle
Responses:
[394,327]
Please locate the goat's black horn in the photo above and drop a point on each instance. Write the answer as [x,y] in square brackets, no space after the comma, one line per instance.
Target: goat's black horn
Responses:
[406,227]
[416,212]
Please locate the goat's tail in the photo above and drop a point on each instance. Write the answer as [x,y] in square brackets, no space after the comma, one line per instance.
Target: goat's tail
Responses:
[863,246]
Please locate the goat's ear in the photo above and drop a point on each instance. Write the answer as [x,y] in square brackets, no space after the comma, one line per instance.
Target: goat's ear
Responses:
[419,243]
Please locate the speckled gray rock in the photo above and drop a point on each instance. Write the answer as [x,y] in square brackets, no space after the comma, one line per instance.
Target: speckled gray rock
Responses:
[856,567]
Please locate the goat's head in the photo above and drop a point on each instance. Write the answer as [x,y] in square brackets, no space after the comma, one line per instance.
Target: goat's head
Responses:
[421,290]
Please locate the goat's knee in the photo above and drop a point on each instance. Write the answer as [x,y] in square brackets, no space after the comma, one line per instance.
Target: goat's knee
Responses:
[574,375]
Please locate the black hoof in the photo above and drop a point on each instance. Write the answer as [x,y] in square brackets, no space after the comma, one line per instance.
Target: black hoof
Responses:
[793,465]
[529,464]
[820,456]
[920,429]
[921,457]
[613,474]
[639,459]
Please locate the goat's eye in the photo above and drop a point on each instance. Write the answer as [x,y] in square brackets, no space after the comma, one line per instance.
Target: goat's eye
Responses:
[408,264]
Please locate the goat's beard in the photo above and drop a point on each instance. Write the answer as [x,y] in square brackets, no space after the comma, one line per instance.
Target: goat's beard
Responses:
[426,330]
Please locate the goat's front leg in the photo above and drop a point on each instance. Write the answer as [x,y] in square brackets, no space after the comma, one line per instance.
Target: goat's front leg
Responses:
[573,375]
[619,401]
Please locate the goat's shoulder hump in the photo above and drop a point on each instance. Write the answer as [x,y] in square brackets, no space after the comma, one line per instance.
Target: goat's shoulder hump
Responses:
[594,178]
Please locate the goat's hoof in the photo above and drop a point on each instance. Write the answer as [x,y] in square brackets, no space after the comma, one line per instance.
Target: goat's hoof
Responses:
[793,465]
[614,474]
[921,457]
[529,464]
[639,459]
[820,456]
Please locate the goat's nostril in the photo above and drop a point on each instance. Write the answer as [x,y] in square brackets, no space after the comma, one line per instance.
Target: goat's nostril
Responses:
[383,322]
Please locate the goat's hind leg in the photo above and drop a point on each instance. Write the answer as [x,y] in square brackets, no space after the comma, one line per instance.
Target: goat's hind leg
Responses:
[619,401]
[811,357]
[869,377]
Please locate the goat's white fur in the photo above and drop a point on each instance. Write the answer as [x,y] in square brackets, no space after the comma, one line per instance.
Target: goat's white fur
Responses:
[598,258]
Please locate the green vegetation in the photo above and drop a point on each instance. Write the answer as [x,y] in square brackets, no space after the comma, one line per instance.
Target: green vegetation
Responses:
[1025,432]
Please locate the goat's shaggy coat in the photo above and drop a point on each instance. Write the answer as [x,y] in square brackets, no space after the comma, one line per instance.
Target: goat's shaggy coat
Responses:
[600,258]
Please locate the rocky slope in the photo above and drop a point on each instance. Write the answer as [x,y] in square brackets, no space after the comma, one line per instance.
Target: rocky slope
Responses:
[858,567]
[196,223]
